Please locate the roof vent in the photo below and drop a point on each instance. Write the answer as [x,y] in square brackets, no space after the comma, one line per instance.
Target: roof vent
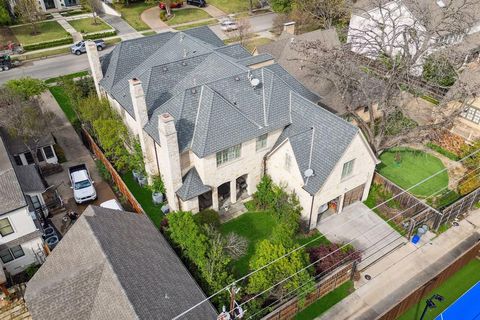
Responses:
[441,3]
[184,52]
[193,90]
[308,173]
[182,36]
[184,63]
[237,78]
[165,69]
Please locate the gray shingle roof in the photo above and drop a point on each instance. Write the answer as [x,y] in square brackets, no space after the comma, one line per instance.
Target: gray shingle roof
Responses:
[11,195]
[29,179]
[251,60]
[16,145]
[318,138]
[192,186]
[114,266]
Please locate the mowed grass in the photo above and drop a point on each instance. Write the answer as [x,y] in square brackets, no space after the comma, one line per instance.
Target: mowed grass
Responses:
[256,226]
[407,167]
[50,30]
[132,12]
[451,290]
[64,101]
[322,305]
[250,45]
[230,6]
[187,15]
[87,25]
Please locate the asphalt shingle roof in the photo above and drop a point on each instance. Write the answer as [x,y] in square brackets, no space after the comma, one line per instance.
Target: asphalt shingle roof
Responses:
[192,186]
[114,265]
[29,179]
[11,195]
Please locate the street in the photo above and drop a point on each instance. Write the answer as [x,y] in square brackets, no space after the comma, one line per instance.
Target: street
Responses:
[66,64]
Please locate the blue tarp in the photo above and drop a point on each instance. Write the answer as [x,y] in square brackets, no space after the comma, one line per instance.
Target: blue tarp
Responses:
[467,307]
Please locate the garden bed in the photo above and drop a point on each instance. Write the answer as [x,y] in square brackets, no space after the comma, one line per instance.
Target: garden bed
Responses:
[48,31]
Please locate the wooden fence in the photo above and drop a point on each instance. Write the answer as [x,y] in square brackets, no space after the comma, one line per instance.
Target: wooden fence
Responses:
[288,310]
[117,179]
[416,296]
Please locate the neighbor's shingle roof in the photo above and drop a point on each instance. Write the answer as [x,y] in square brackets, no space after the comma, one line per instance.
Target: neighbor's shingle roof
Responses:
[29,179]
[192,186]
[114,266]
[16,145]
[11,195]
[318,139]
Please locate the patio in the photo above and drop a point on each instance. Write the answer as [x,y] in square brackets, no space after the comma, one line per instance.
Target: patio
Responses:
[367,231]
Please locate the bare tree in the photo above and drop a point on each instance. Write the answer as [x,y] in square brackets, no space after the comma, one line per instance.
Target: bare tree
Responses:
[95,6]
[381,64]
[25,119]
[29,12]
[243,32]
[235,245]
[328,12]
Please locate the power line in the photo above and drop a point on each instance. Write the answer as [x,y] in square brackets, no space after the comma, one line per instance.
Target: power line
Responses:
[324,235]
[315,262]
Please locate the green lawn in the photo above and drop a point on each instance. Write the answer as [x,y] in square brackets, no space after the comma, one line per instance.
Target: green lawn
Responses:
[144,197]
[132,12]
[230,6]
[257,226]
[320,306]
[68,76]
[50,30]
[451,290]
[256,42]
[86,25]
[413,167]
[64,102]
[199,24]
[187,15]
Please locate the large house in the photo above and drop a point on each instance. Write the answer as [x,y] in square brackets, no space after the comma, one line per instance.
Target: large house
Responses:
[213,119]
[50,5]
[114,265]
[21,242]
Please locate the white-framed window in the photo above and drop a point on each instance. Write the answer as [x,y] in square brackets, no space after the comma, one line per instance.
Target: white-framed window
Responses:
[288,162]
[228,154]
[472,114]
[262,142]
[347,168]
[11,254]
[48,150]
[5,227]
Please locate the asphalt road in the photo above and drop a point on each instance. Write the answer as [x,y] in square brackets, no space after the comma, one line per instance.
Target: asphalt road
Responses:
[66,64]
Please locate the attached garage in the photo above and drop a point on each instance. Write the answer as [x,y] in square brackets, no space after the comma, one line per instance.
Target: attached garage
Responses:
[353,195]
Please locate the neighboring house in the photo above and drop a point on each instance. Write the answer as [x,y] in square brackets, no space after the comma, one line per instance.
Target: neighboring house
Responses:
[23,157]
[286,53]
[114,265]
[50,5]
[21,241]
[212,119]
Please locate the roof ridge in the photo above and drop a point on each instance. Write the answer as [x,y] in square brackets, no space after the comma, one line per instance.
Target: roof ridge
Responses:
[197,115]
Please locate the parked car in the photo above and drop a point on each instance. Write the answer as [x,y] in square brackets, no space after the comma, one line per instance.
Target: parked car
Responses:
[79,47]
[228,25]
[174,5]
[5,63]
[82,184]
[112,204]
[198,3]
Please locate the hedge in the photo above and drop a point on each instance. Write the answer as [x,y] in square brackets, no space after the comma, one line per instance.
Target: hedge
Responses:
[442,151]
[99,35]
[48,44]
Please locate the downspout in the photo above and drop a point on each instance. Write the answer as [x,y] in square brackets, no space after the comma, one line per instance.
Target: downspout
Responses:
[311,212]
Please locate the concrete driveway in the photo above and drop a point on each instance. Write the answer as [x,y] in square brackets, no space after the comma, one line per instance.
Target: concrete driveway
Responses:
[364,229]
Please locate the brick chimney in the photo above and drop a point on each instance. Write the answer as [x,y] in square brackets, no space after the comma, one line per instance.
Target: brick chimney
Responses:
[170,158]
[289,27]
[95,66]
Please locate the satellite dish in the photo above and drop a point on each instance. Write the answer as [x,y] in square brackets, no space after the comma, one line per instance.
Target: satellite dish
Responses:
[255,82]
[308,173]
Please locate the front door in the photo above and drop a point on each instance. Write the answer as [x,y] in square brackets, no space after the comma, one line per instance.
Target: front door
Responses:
[353,195]
[49,4]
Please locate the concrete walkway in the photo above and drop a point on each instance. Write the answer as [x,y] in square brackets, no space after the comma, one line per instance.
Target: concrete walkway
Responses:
[406,269]
[77,36]
[124,30]
[152,18]
[211,10]
[357,224]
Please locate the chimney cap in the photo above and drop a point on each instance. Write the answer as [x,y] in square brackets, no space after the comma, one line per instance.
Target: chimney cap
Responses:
[166,117]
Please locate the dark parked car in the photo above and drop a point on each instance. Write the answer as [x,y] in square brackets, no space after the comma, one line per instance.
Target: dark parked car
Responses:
[174,5]
[79,47]
[5,63]
[198,3]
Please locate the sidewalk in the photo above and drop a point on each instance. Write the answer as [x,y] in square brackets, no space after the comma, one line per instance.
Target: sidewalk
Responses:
[405,270]
[77,36]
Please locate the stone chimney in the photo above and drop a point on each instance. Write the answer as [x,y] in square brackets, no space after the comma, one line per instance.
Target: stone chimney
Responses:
[95,66]
[138,101]
[170,158]
[289,27]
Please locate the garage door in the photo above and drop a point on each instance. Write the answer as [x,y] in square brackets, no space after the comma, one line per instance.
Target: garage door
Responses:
[353,195]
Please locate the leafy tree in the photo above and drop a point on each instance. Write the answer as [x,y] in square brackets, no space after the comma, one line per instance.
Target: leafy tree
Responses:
[438,70]
[26,87]
[331,257]
[29,12]
[281,6]
[5,18]
[267,251]
[265,196]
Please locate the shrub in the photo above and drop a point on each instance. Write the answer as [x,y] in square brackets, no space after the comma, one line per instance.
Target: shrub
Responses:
[469,183]
[442,151]
[208,217]
[102,170]
[99,35]
[163,16]
[331,256]
[265,196]
[48,44]
[31,270]
[157,185]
